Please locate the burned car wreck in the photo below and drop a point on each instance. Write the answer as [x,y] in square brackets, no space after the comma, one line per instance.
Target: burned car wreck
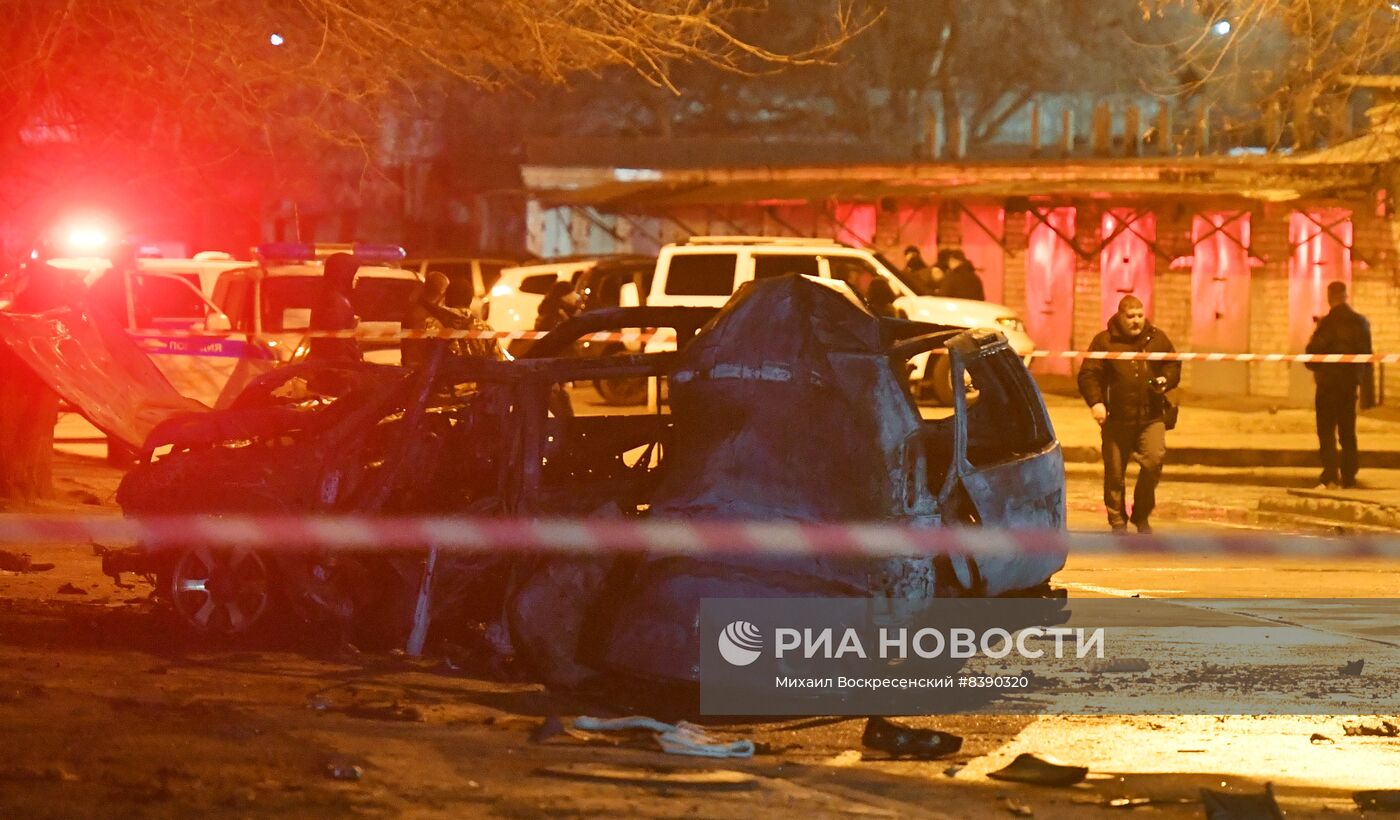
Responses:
[789,403]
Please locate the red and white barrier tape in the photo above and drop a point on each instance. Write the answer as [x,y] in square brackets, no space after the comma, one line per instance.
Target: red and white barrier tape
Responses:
[1320,358]
[663,536]
[644,335]
[397,335]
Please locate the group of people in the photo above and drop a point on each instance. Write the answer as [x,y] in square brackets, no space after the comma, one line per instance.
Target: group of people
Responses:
[1128,398]
[429,310]
[951,276]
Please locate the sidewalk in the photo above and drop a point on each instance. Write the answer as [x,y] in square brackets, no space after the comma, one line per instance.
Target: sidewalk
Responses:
[1236,432]
[1256,441]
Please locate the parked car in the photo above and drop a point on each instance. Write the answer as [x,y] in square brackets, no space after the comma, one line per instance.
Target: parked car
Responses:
[707,270]
[471,277]
[514,300]
[790,372]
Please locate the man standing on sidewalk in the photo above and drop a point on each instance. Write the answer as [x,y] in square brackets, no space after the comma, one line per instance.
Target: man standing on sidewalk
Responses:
[1342,330]
[1127,399]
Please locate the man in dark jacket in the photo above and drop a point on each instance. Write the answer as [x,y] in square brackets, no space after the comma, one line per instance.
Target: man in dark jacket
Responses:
[962,282]
[1127,399]
[1342,330]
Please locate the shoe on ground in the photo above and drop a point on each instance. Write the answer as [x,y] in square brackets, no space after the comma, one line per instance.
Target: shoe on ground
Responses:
[1348,484]
[1143,527]
[1119,529]
[1328,485]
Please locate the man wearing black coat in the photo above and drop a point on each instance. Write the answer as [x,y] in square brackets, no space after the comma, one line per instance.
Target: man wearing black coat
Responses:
[1342,330]
[962,282]
[1127,399]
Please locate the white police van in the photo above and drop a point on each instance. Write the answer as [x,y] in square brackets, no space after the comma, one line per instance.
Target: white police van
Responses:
[210,323]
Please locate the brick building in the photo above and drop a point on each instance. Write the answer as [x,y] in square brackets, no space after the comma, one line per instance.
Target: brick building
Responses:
[1231,254]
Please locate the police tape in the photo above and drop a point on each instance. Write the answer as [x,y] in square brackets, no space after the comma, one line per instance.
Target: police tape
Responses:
[1317,358]
[376,335]
[640,336]
[695,538]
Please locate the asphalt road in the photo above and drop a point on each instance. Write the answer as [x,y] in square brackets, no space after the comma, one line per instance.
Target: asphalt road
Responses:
[102,713]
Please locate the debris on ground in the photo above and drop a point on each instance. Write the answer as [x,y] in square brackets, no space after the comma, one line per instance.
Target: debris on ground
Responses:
[1016,809]
[1229,806]
[384,711]
[895,740]
[1378,800]
[69,589]
[20,562]
[1040,771]
[551,727]
[1318,739]
[654,776]
[338,769]
[1353,667]
[849,757]
[1129,802]
[677,739]
[1383,729]
[1117,665]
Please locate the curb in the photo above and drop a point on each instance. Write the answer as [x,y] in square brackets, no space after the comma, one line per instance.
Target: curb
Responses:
[1321,506]
[1237,457]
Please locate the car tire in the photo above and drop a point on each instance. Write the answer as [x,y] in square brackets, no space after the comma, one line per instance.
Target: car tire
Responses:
[219,595]
[622,391]
[939,381]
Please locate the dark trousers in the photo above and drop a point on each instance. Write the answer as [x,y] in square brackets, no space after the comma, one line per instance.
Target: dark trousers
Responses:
[1147,445]
[1336,423]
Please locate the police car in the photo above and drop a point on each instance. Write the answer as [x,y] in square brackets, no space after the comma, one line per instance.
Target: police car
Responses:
[211,323]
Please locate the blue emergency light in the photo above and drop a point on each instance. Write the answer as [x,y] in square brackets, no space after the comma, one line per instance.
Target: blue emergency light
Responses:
[307,251]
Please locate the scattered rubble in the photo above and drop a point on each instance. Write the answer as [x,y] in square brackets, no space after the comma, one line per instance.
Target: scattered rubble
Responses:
[1040,771]
[1378,800]
[678,739]
[1117,665]
[1230,806]
[906,741]
[661,777]
[338,769]
[69,589]
[1353,667]
[1319,739]
[21,562]
[1383,729]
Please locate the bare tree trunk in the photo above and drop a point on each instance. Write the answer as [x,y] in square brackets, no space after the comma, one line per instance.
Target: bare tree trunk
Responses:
[28,412]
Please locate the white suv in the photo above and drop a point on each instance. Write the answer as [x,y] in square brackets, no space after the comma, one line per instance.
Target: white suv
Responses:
[706,270]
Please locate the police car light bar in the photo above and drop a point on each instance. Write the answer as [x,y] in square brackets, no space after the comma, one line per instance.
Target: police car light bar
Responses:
[306,251]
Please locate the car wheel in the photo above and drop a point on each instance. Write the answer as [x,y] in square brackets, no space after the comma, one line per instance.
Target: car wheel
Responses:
[219,592]
[622,391]
[940,380]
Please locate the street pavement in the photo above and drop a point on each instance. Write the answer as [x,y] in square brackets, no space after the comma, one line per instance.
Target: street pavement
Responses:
[103,712]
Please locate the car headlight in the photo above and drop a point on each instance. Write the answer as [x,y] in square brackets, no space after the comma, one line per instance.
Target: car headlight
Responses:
[1011,323]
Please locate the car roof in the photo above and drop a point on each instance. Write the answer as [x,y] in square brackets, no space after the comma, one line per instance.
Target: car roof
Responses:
[316,270]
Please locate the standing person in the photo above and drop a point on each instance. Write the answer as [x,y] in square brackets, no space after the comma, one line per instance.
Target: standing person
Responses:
[431,312]
[559,305]
[1342,330]
[962,281]
[918,273]
[1127,399]
[335,311]
[877,294]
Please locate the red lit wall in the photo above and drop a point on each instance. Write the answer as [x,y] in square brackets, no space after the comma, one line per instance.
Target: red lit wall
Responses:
[1220,282]
[855,223]
[1050,264]
[1321,252]
[983,229]
[917,224]
[1126,262]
